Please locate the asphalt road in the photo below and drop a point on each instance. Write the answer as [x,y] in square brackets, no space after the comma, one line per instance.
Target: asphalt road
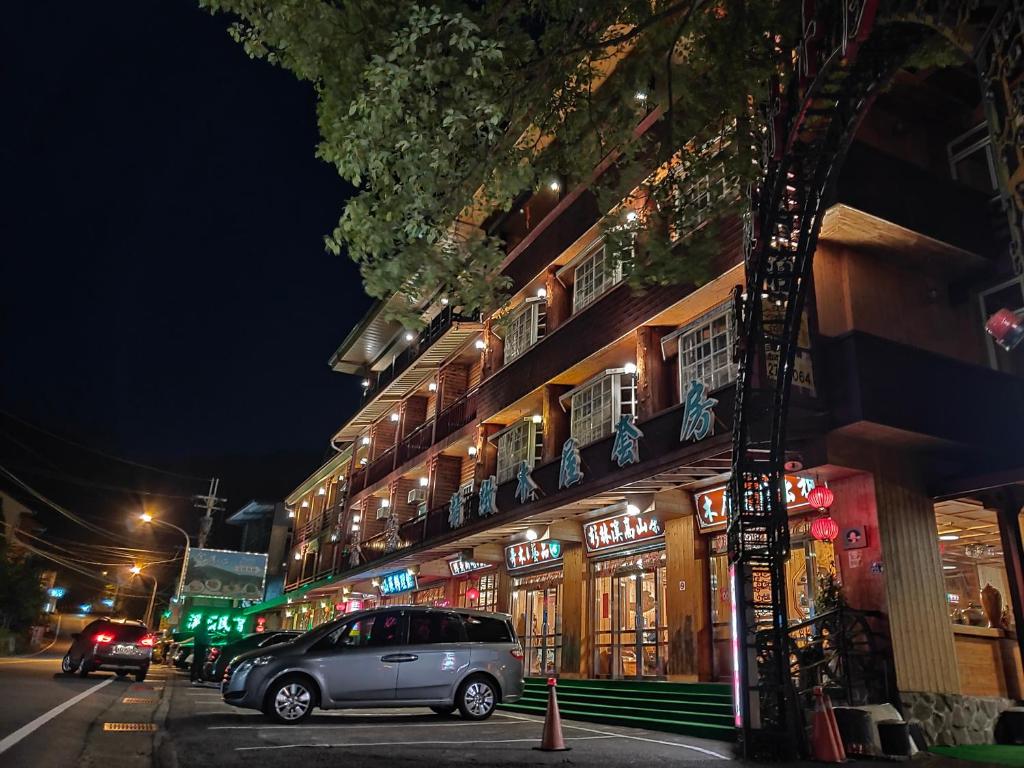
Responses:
[48,720]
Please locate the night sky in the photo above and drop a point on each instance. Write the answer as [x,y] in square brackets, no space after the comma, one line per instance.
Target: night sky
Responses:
[166,296]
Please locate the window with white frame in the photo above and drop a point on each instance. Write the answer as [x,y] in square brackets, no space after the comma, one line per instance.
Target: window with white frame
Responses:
[518,443]
[598,273]
[597,405]
[695,200]
[706,349]
[525,328]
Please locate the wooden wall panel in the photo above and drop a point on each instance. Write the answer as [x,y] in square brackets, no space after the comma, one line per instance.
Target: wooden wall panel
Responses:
[687,600]
[574,582]
[922,638]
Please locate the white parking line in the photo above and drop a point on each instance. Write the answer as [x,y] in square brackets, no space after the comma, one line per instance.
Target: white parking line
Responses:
[461,742]
[44,718]
[702,750]
[349,727]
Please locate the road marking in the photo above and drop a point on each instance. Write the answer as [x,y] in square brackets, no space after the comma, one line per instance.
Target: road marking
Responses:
[130,727]
[415,743]
[350,727]
[702,750]
[139,700]
[25,730]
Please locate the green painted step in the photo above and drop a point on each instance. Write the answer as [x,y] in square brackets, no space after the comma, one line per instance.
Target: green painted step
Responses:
[699,729]
[694,709]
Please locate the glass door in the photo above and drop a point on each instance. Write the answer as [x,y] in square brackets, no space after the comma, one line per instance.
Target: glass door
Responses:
[630,638]
[536,612]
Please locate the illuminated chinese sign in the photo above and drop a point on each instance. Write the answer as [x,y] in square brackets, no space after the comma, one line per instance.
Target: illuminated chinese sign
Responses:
[621,530]
[396,583]
[462,567]
[531,553]
[712,504]
[215,622]
[57,592]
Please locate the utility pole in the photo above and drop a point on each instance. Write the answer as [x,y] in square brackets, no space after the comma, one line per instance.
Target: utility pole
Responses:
[208,502]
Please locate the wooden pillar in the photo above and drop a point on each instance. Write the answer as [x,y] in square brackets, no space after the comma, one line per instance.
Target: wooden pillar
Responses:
[1008,506]
[556,421]
[653,383]
[494,351]
[922,638]
[687,591]
[559,302]
[574,583]
[487,458]
[504,590]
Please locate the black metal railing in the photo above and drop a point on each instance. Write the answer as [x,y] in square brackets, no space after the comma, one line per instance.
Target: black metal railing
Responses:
[416,442]
[445,319]
[456,416]
[381,466]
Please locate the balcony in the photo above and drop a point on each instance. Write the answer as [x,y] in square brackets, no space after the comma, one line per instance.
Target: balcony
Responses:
[415,443]
[456,416]
[445,335]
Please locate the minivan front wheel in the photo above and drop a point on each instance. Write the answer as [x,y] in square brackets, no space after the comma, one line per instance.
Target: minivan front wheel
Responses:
[66,665]
[476,698]
[289,700]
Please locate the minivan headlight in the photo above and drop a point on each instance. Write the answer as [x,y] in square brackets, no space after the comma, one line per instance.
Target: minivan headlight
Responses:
[260,661]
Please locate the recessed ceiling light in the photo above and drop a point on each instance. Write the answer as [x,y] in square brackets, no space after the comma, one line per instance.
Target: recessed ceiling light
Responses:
[948,537]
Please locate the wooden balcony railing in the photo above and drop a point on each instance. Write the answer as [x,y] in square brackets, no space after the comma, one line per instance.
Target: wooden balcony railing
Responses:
[380,467]
[415,443]
[456,416]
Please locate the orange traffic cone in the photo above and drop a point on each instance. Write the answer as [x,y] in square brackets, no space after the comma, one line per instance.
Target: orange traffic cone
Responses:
[826,744]
[551,740]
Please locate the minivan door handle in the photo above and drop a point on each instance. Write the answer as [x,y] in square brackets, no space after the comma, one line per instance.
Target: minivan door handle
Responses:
[399,657]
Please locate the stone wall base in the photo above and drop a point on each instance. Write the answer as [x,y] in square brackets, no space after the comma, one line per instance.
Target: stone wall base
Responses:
[951,719]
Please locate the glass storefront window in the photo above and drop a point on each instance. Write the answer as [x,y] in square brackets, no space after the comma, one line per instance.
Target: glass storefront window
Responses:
[630,632]
[430,596]
[972,558]
[486,585]
[537,617]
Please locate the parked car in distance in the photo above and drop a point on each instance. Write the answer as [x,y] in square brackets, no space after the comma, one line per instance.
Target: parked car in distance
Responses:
[402,656]
[121,645]
[217,658]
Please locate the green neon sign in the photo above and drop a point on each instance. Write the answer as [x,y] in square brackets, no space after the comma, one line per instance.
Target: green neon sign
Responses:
[215,622]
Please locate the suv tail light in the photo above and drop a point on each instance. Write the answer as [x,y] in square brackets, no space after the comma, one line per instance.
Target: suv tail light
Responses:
[147,641]
[517,652]
[213,654]
[103,637]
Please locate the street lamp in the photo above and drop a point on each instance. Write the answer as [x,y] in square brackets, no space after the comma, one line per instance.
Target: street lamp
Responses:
[148,518]
[136,570]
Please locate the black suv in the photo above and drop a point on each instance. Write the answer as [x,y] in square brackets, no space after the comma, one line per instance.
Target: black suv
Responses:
[218,658]
[121,645]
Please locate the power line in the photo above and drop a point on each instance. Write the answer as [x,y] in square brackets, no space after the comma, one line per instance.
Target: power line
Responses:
[97,451]
[63,476]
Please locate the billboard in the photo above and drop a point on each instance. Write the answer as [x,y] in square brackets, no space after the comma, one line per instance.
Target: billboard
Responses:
[223,573]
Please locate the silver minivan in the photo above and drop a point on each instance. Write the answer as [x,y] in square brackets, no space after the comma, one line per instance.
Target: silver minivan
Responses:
[399,656]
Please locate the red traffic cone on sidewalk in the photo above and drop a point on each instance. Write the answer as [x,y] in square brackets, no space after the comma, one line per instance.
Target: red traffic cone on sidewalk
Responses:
[551,740]
[826,744]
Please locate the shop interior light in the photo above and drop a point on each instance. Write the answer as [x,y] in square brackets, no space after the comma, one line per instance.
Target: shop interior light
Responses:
[632,509]
[424,482]
[531,535]
[948,537]
[629,368]
[947,567]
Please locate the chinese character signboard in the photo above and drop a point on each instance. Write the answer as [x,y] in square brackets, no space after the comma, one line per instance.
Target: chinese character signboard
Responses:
[488,496]
[569,472]
[531,553]
[217,621]
[462,567]
[223,573]
[526,487]
[621,530]
[698,413]
[712,503]
[397,582]
[626,446]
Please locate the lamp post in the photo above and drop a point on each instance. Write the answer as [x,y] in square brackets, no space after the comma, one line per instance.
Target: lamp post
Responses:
[148,518]
[136,570]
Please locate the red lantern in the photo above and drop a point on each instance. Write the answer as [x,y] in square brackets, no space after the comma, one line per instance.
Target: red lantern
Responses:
[825,528]
[472,594]
[821,497]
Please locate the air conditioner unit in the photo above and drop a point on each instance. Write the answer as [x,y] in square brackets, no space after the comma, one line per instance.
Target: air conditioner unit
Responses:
[417,495]
[421,510]
[383,513]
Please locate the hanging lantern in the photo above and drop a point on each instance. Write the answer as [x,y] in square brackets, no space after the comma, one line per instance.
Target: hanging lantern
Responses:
[821,497]
[825,528]
[472,594]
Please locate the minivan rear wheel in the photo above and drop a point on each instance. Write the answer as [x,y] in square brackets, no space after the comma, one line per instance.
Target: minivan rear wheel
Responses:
[290,700]
[66,665]
[476,698]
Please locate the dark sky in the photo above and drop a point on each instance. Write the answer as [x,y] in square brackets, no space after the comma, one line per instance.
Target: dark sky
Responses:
[166,295]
